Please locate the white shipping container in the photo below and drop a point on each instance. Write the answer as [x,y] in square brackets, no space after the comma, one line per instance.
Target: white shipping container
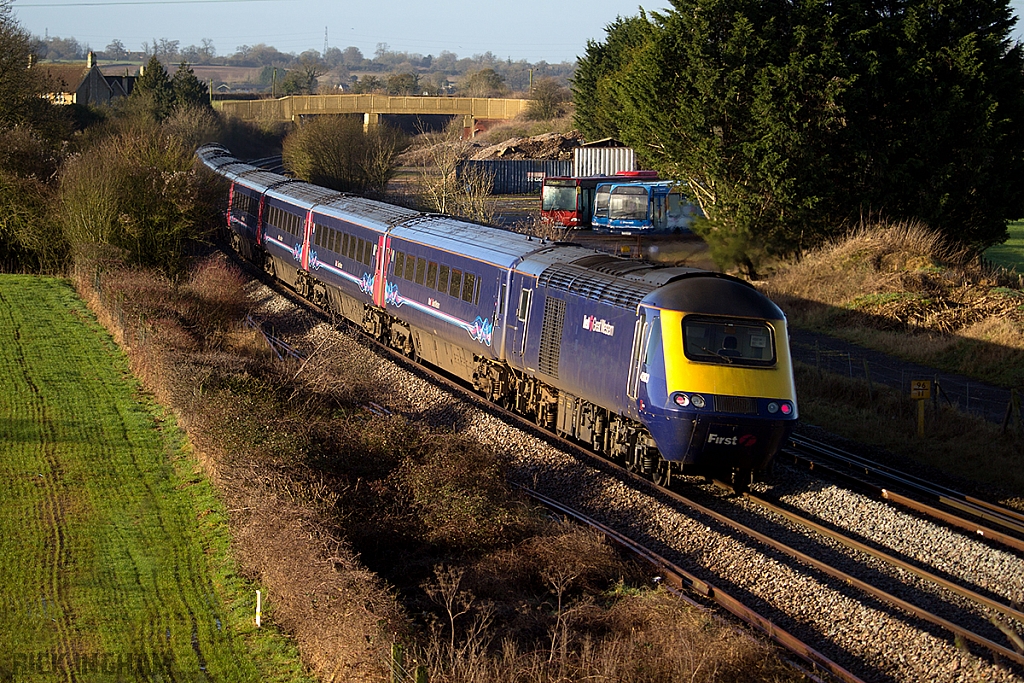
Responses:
[591,161]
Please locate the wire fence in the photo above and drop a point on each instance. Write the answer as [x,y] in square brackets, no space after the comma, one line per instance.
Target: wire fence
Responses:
[833,355]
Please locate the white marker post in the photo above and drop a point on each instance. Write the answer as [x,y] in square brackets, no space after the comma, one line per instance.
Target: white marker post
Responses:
[258,606]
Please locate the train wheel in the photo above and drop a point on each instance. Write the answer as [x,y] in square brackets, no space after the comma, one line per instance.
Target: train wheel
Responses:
[662,474]
[635,459]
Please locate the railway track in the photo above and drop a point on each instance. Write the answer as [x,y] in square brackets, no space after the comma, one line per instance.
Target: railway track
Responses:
[679,582]
[671,524]
[996,523]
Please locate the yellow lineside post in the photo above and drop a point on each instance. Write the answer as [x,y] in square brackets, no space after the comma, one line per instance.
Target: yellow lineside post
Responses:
[920,391]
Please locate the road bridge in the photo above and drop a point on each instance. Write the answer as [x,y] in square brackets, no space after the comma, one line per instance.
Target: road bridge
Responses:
[477,113]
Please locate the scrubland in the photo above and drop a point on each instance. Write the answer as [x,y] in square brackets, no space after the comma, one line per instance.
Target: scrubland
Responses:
[900,289]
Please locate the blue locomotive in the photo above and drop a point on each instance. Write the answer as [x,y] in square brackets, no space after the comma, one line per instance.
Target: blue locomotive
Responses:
[668,370]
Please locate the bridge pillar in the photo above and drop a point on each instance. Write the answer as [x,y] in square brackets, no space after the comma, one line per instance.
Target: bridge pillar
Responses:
[468,127]
[370,119]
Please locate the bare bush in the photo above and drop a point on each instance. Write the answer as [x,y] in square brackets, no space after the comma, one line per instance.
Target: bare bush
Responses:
[446,190]
[535,226]
[192,125]
[140,193]
[336,152]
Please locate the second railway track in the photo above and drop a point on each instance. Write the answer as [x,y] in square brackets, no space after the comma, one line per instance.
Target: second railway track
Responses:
[863,633]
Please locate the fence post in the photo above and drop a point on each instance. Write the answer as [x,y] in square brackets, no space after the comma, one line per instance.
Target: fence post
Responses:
[1015,402]
[867,374]
[397,659]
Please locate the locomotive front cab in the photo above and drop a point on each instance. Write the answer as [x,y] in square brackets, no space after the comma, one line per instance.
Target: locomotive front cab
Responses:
[716,390]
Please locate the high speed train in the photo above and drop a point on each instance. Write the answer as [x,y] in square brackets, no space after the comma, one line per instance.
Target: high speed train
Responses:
[669,370]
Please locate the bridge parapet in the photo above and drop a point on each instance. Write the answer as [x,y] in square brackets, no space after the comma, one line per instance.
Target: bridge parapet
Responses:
[291,107]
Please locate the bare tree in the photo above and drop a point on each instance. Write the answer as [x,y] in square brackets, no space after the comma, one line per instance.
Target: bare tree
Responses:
[446,190]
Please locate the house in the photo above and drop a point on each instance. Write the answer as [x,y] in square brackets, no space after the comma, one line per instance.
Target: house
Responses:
[75,84]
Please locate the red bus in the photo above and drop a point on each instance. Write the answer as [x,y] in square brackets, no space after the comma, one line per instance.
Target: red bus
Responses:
[569,201]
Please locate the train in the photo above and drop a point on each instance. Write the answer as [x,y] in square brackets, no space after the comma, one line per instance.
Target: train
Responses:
[667,370]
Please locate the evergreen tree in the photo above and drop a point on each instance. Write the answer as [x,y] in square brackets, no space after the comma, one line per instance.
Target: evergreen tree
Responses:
[597,113]
[189,90]
[788,119]
[153,87]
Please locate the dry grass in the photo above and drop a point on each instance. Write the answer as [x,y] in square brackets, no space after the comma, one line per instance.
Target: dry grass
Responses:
[900,289]
[960,445]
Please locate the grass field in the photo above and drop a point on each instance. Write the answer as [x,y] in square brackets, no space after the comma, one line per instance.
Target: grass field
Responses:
[1011,253]
[114,548]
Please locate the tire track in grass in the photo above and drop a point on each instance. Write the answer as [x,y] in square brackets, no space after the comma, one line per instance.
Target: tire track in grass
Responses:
[54,512]
[143,531]
[169,568]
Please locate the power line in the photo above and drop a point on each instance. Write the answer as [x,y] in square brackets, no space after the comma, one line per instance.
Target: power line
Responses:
[135,2]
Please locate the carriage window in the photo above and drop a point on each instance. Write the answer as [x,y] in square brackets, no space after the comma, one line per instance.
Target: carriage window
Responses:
[524,304]
[442,279]
[421,270]
[410,267]
[368,251]
[728,341]
[431,275]
[455,287]
[399,264]
[351,247]
[468,287]
[333,239]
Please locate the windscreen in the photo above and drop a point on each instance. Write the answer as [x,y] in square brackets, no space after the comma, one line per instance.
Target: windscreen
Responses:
[727,341]
[601,197]
[558,198]
[628,203]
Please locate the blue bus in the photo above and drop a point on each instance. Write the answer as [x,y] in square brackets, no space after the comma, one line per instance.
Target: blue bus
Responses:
[644,207]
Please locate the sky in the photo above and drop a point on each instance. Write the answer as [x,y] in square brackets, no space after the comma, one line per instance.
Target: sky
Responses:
[531,30]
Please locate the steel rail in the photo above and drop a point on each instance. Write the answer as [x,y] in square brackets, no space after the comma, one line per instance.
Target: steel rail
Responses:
[679,579]
[854,544]
[1004,516]
[840,575]
[809,453]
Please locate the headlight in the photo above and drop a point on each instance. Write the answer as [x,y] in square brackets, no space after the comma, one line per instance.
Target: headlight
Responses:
[773,407]
[682,400]
[786,408]
[698,401]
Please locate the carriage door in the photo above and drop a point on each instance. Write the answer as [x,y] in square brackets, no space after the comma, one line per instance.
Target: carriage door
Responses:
[638,360]
[380,272]
[521,309]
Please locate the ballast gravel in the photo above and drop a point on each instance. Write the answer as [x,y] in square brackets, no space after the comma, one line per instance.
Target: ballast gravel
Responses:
[870,638]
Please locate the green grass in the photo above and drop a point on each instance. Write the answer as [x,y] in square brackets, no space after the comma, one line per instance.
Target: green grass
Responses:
[114,548]
[1010,253]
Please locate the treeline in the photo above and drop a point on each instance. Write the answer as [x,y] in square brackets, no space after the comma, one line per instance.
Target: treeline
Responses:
[432,72]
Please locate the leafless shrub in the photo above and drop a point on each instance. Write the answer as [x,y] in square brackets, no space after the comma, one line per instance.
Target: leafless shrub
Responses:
[336,152]
[536,227]
[192,125]
[444,189]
